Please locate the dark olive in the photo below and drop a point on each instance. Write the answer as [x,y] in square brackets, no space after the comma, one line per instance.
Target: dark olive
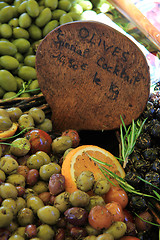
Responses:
[76,216]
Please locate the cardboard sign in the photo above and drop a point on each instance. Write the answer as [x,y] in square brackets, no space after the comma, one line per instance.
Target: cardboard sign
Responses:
[90,74]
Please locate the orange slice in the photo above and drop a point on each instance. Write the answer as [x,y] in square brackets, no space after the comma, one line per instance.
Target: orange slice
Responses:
[77,161]
[10,132]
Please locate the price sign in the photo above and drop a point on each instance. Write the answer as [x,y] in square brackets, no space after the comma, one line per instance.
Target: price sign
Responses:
[90,75]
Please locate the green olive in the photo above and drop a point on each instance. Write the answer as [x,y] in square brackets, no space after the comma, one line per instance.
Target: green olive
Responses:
[3,112]
[40,187]
[95,200]
[2,175]
[25,95]
[32,8]
[6,216]
[20,147]
[19,32]
[19,57]
[16,180]
[16,237]
[8,164]
[21,203]
[25,121]
[62,202]
[57,13]
[7,81]
[2,92]
[104,236]
[20,231]
[117,229]
[65,18]
[91,237]
[13,226]
[47,170]
[27,73]
[52,4]
[101,186]
[5,123]
[9,95]
[44,17]
[35,32]
[49,27]
[11,204]
[14,113]
[76,8]
[35,161]
[25,20]
[22,7]
[48,214]
[86,5]
[92,231]
[5,30]
[85,181]
[46,125]
[64,5]
[61,144]
[8,190]
[29,192]
[34,203]
[6,14]
[14,22]
[25,217]
[7,48]
[46,158]
[21,44]
[45,232]
[30,60]
[9,62]
[79,198]
[37,114]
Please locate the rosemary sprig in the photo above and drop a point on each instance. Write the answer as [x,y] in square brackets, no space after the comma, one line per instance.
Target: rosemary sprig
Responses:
[122,182]
[129,137]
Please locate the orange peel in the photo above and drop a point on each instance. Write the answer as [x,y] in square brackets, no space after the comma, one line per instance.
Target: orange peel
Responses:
[9,133]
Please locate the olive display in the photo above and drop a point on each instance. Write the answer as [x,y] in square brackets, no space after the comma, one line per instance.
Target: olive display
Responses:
[23,24]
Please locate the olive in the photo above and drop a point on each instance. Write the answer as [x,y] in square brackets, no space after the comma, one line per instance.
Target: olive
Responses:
[47,170]
[32,177]
[9,95]
[16,180]
[30,231]
[61,144]
[20,147]
[12,226]
[9,62]
[35,161]
[48,214]
[101,186]
[6,216]
[117,229]
[5,123]
[56,184]
[2,175]
[20,231]
[76,216]
[78,232]
[34,203]
[91,237]
[14,113]
[8,164]
[40,187]
[92,231]
[37,114]
[95,200]
[29,192]
[4,113]
[45,232]
[25,216]
[45,156]
[105,236]
[16,237]
[79,198]
[61,201]
[85,181]
[8,190]
[11,204]
[21,203]
[25,121]
[46,125]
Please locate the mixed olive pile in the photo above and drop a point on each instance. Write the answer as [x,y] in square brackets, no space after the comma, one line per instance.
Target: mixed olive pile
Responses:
[34,203]
[23,24]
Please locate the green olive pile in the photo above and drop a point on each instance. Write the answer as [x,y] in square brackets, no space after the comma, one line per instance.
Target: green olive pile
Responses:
[35,118]
[23,24]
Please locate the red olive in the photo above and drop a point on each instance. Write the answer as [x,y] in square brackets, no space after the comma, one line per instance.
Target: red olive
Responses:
[31,231]
[39,140]
[32,177]
[56,184]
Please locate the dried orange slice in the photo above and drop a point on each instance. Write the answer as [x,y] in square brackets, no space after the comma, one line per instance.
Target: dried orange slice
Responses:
[10,132]
[77,161]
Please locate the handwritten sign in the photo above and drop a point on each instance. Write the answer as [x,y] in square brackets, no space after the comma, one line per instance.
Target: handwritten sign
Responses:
[90,74]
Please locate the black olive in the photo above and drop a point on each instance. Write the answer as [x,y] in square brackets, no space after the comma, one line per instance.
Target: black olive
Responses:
[143,141]
[154,179]
[158,113]
[155,166]
[149,111]
[150,154]
[137,203]
[155,131]
[132,179]
[142,166]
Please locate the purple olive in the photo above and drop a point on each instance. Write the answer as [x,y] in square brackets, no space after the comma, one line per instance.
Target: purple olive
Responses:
[76,216]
